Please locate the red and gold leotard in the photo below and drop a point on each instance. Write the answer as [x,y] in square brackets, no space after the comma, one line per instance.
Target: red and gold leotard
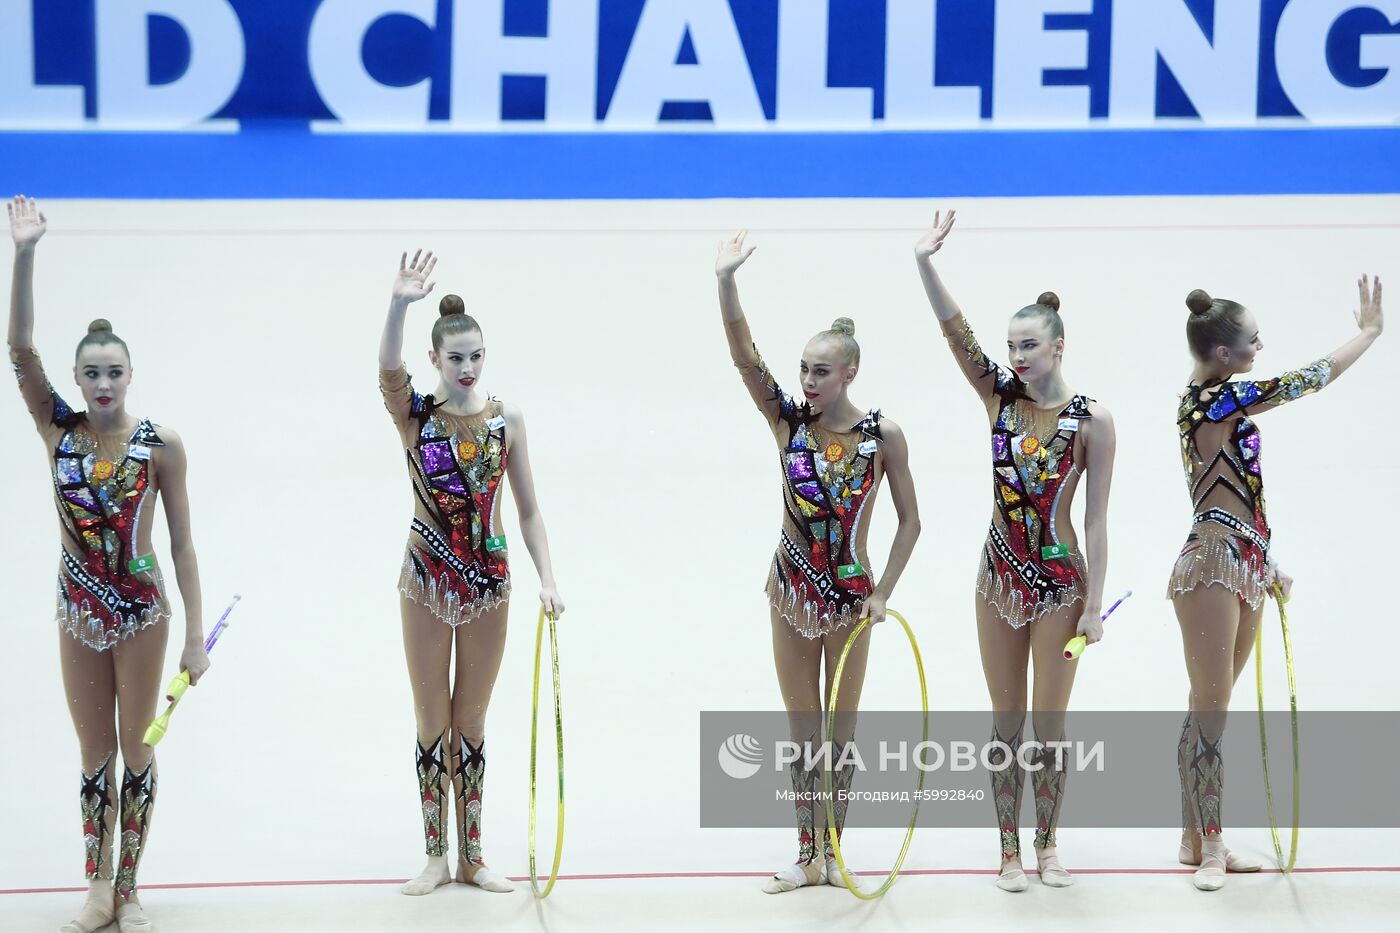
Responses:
[456,562]
[1220,452]
[821,573]
[109,586]
[1031,562]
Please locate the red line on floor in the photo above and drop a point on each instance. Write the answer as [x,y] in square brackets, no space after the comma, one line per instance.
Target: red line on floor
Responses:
[652,875]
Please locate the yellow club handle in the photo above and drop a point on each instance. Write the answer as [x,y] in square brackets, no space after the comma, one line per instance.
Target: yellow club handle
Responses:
[156,730]
[1075,647]
[177,687]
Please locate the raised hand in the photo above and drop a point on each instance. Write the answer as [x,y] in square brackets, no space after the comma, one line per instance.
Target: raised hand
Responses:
[1369,316]
[410,284]
[27,223]
[932,241]
[732,253]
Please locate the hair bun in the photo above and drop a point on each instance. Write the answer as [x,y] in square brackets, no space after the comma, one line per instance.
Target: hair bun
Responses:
[844,325]
[1050,300]
[450,305]
[1199,302]
[101,325]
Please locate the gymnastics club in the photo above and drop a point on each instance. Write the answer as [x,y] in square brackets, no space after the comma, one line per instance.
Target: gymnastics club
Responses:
[1075,646]
[156,730]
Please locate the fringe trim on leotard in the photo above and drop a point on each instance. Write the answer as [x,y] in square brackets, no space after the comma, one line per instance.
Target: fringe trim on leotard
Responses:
[87,619]
[1217,561]
[1005,592]
[809,618]
[442,597]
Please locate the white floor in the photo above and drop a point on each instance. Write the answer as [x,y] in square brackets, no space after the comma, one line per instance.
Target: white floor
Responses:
[254,329]
[1123,899]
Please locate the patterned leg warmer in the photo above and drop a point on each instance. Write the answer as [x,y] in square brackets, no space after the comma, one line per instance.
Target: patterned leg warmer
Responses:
[1183,767]
[840,786]
[137,798]
[804,786]
[1008,777]
[470,781]
[1205,779]
[98,812]
[1048,788]
[432,772]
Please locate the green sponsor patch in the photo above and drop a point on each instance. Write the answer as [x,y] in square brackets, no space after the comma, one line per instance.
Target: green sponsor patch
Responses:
[846,571]
[142,564]
[1051,551]
[496,543]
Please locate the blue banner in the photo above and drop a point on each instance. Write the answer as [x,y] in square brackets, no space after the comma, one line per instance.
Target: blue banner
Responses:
[1046,96]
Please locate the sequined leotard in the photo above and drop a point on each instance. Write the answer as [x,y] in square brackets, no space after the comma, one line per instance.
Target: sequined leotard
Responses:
[1031,563]
[1220,452]
[456,562]
[821,573]
[109,586]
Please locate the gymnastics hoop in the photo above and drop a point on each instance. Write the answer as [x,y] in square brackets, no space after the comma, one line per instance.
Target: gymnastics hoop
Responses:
[826,771]
[534,745]
[1263,733]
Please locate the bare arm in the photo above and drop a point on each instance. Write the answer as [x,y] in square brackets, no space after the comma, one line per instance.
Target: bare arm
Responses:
[410,285]
[762,387]
[1100,445]
[21,333]
[732,254]
[1371,322]
[939,298]
[1259,395]
[906,505]
[173,467]
[977,368]
[522,485]
[27,226]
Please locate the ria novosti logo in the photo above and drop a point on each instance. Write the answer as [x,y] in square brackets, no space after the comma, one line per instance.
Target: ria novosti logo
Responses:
[740,756]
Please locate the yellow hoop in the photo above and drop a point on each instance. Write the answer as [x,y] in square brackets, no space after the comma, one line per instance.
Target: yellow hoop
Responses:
[559,744]
[826,772]
[1263,732]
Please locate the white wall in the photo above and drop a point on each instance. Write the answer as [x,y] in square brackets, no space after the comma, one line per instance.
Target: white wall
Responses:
[254,330]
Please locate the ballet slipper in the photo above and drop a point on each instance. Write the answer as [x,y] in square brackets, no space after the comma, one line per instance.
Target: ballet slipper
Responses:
[80,924]
[487,880]
[1211,875]
[1052,873]
[98,911]
[131,918]
[796,876]
[1012,877]
[433,876]
[834,876]
[1186,855]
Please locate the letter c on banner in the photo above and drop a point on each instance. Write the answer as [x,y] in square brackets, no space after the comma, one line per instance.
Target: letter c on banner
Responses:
[1301,57]
[338,68]
[125,96]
